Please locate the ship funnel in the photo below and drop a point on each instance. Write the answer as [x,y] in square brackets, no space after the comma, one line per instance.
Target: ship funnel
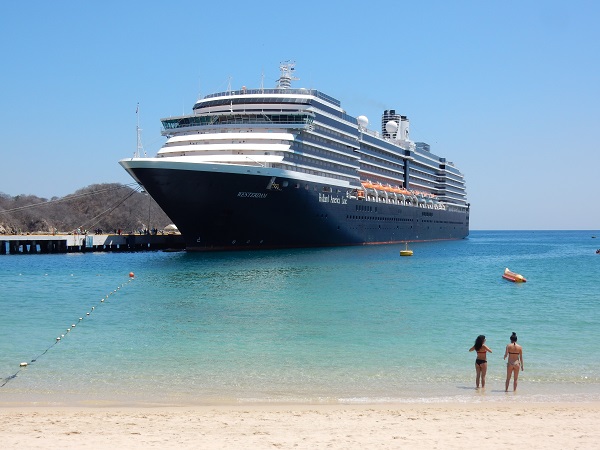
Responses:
[404,129]
[387,117]
[394,126]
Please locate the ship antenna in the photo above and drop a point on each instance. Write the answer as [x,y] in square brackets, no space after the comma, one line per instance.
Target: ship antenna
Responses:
[140,147]
[262,82]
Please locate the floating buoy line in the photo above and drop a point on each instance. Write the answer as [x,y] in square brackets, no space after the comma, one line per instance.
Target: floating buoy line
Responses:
[68,331]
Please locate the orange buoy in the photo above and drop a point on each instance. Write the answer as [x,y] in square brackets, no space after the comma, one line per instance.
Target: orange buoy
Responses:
[131,275]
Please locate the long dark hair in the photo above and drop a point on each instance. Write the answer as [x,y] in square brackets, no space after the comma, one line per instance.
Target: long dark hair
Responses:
[513,337]
[479,342]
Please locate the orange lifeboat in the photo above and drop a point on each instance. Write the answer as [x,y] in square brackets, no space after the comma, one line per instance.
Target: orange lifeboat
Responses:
[368,185]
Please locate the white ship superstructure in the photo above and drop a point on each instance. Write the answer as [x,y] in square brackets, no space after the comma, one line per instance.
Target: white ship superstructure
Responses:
[300,142]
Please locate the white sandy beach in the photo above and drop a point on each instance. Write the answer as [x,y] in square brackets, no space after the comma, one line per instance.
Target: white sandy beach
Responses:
[472,425]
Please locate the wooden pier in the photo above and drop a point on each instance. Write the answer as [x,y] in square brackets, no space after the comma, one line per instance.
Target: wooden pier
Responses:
[77,243]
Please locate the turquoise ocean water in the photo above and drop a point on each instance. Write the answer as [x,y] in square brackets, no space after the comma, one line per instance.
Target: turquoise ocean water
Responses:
[339,325]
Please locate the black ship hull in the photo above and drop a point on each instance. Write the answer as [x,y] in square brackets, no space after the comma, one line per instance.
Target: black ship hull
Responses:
[217,210]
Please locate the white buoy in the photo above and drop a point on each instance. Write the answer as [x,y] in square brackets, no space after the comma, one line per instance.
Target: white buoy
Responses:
[23,364]
[102,301]
[58,338]
[87,314]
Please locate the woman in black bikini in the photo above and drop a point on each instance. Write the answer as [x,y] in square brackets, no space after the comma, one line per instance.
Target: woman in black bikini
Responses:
[481,361]
[515,361]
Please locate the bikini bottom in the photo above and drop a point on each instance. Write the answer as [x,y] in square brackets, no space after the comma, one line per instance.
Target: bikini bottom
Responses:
[480,361]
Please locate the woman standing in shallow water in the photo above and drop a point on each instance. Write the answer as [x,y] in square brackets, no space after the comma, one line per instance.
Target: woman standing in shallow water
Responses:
[515,361]
[481,361]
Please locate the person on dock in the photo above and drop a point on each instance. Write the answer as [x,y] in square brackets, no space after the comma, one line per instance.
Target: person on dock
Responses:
[481,360]
[515,361]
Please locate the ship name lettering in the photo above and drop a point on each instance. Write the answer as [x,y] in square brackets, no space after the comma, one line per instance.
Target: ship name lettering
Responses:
[324,198]
[252,194]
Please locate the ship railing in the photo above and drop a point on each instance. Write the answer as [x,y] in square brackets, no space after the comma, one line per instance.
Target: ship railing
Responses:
[371,133]
[378,196]
[312,92]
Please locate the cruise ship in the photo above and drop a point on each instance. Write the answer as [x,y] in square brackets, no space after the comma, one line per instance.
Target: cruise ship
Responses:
[288,167]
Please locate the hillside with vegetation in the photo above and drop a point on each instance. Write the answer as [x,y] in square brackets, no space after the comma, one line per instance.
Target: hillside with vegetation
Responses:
[108,207]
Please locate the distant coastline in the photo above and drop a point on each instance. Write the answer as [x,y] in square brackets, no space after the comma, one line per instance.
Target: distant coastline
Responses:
[95,209]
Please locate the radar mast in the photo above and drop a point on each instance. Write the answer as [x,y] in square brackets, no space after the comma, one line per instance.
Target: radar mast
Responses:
[286,77]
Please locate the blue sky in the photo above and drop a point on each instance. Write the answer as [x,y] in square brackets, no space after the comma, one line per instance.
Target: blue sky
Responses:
[509,91]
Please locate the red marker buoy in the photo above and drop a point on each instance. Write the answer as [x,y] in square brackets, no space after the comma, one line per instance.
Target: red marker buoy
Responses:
[131,275]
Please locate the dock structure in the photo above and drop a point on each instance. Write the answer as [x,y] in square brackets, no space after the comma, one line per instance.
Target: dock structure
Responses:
[78,243]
